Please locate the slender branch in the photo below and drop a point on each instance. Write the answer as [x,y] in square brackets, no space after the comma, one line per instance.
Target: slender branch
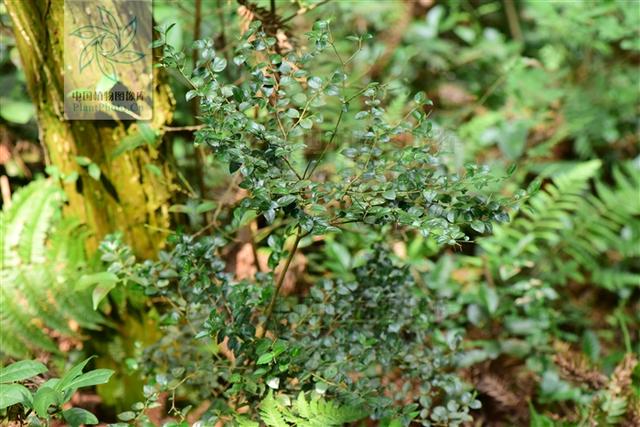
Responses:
[324,149]
[300,178]
[183,128]
[262,327]
[513,20]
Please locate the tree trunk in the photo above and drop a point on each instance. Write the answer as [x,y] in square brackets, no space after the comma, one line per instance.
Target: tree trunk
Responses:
[133,190]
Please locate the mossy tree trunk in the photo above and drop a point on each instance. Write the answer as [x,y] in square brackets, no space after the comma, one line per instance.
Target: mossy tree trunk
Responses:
[134,188]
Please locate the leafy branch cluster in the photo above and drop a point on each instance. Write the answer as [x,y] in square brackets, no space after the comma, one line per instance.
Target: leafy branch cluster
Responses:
[315,153]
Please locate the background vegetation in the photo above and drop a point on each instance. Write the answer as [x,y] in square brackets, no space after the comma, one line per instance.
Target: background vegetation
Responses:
[343,212]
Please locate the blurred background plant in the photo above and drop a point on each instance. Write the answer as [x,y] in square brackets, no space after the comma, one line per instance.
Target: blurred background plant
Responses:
[545,307]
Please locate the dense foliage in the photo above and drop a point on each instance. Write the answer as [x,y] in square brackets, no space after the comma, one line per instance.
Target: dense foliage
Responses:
[386,213]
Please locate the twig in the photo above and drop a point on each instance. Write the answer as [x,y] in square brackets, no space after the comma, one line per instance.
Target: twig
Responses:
[512,19]
[6,191]
[262,327]
[222,37]
[324,149]
[183,128]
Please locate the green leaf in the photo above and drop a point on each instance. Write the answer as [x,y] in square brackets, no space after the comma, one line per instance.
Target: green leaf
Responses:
[126,416]
[19,112]
[94,171]
[315,82]
[292,113]
[190,95]
[478,226]
[83,160]
[89,280]
[147,132]
[21,371]
[591,345]
[538,420]
[45,397]
[95,377]
[10,394]
[389,195]
[246,422]
[78,416]
[206,206]
[71,375]
[286,200]
[264,359]
[299,98]
[153,169]
[219,64]
[489,298]
[306,124]
[144,135]
[100,292]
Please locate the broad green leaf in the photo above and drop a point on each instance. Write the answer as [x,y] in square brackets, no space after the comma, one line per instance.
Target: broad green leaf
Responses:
[71,375]
[19,112]
[206,206]
[21,371]
[264,359]
[45,397]
[95,377]
[78,416]
[89,280]
[10,394]
[100,292]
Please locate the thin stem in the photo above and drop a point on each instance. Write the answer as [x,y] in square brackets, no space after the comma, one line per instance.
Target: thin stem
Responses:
[262,328]
[625,331]
[222,37]
[183,128]
[513,20]
[324,149]
[300,178]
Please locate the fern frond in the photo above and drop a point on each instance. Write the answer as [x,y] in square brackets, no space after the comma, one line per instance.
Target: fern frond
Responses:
[567,231]
[42,258]
[313,412]
[320,412]
[272,413]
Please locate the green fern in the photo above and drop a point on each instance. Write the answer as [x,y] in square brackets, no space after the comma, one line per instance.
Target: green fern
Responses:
[272,412]
[315,412]
[569,232]
[42,258]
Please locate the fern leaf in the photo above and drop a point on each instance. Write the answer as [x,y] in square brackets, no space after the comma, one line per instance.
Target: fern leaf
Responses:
[42,258]
[272,413]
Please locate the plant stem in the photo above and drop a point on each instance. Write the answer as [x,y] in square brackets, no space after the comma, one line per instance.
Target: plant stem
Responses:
[513,20]
[324,149]
[262,327]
